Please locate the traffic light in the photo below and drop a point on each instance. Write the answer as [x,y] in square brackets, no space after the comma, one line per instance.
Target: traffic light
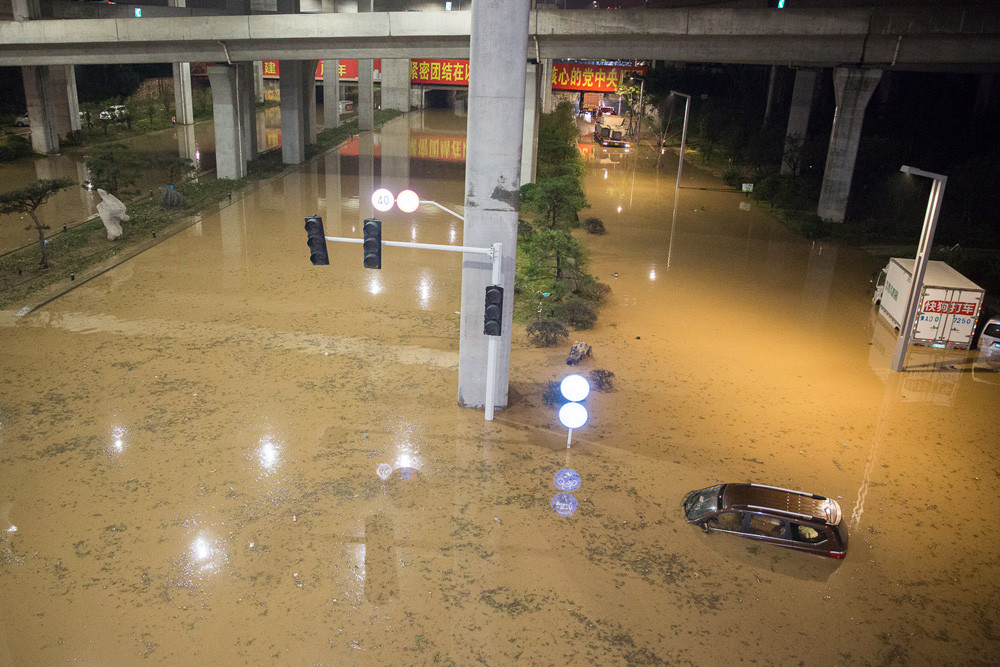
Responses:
[493,324]
[316,240]
[373,243]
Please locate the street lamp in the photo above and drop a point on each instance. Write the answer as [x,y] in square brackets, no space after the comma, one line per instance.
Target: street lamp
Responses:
[917,281]
[684,134]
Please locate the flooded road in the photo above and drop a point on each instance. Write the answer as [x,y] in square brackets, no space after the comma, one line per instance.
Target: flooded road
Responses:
[76,204]
[216,452]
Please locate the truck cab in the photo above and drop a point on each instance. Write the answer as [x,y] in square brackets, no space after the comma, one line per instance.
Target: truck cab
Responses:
[610,131]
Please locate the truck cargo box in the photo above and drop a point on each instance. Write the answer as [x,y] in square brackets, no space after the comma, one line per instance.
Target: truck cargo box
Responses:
[948,308]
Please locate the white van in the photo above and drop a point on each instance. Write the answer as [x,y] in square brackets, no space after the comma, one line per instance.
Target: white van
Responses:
[989,340]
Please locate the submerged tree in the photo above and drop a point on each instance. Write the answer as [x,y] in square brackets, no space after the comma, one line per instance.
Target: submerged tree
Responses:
[113,168]
[28,199]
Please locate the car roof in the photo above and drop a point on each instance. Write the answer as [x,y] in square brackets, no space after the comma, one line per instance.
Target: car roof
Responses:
[796,504]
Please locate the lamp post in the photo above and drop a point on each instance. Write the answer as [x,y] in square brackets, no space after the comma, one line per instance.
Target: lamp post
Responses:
[684,134]
[917,280]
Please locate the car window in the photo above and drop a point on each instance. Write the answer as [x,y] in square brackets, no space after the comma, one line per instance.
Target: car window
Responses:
[767,526]
[808,534]
[992,330]
[731,521]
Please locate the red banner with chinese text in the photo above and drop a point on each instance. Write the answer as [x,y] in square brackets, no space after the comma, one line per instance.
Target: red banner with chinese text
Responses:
[449,72]
[597,78]
[348,69]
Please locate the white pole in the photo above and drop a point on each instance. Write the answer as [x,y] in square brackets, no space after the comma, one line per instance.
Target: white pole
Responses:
[569,438]
[920,265]
[684,134]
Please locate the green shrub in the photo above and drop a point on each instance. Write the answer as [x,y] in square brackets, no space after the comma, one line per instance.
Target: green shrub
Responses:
[578,313]
[546,333]
[552,395]
[594,226]
[601,379]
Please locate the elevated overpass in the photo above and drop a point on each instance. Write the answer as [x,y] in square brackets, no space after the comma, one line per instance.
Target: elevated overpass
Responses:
[920,38]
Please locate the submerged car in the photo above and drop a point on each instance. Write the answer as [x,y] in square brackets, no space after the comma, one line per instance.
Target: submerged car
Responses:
[116,112]
[783,517]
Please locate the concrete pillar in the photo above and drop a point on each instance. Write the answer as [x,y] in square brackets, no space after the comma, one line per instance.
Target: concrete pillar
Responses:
[293,138]
[183,104]
[26,10]
[395,137]
[72,99]
[546,85]
[258,80]
[853,87]
[247,109]
[497,46]
[798,119]
[331,93]
[529,138]
[229,160]
[62,83]
[309,100]
[186,144]
[333,193]
[366,95]
[396,84]
[41,108]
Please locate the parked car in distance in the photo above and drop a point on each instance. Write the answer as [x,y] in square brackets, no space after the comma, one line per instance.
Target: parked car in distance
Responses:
[783,517]
[115,112]
[22,120]
[989,340]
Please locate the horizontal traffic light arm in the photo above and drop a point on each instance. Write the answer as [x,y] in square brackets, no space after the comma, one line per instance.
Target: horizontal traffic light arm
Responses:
[421,246]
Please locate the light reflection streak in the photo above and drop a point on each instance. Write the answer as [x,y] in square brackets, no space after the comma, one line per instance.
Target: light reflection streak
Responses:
[424,291]
[374,285]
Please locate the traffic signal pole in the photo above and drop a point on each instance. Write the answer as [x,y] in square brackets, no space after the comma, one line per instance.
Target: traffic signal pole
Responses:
[495,253]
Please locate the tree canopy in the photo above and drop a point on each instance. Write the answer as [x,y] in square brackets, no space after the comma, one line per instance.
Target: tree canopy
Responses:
[28,199]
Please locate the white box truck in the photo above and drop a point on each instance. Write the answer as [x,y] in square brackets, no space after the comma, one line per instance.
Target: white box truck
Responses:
[948,308]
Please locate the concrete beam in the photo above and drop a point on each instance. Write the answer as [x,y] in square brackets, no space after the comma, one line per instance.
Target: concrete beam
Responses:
[900,38]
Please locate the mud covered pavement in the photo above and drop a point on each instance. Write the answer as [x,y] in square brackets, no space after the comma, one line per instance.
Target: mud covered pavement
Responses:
[218,452]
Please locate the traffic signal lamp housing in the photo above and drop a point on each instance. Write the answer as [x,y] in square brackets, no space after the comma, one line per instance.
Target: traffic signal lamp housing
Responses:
[373,243]
[316,239]
[493,320]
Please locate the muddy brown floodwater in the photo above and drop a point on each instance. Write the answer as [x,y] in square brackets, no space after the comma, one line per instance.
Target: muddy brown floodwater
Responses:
[193,446]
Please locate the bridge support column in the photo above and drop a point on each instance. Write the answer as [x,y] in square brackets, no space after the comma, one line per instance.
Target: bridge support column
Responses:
[854,87]
[498,42]
[529,137]
[366,95]
[293,138]
[546,85]
[331,93]
[258,80]
[798,119]
[183,105]
[62,82]
[309,99]
[40,95]
[396,84]
[247,100]
[229,159]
